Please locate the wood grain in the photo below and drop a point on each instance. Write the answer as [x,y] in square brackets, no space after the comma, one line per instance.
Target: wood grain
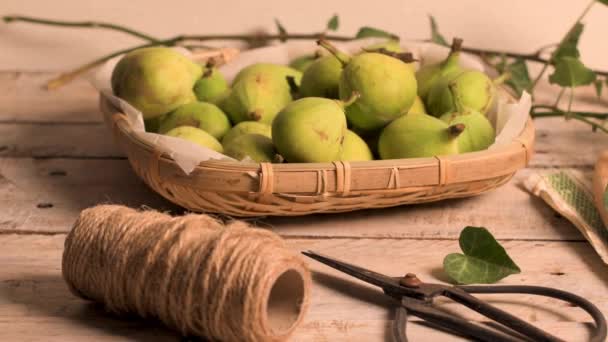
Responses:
[35,304]
[23,98]
[57,157]
[71,185]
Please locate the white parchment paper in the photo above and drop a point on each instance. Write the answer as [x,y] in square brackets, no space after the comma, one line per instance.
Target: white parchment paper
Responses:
[508,117]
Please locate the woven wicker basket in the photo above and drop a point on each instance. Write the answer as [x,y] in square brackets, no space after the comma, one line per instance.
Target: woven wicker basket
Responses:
[264,189]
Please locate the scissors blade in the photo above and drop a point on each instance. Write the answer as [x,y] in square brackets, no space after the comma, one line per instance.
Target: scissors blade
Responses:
[388,284]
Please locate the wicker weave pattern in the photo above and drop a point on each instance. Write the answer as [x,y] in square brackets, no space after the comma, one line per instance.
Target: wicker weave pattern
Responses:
[264,189]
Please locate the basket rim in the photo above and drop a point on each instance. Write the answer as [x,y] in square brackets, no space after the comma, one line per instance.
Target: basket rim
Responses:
[446,169]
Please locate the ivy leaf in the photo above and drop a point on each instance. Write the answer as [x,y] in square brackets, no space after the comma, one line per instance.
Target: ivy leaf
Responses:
[571,72]
[436,37]
[367,32]
[520,76]
[281,29]
[484,260]
[569,47]
[333,23]
[599,86]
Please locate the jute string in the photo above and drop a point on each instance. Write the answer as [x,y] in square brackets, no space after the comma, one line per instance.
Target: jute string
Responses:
[203,278]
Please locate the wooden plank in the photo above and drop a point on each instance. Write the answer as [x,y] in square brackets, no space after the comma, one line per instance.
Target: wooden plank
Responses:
[57,140]
[71,185]
[561,143]
[35,304]
[47,195]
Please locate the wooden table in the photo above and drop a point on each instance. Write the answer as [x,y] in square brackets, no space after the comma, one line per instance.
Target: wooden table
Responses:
[57,157]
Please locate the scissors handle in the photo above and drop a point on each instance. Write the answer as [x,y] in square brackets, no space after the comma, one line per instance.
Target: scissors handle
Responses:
[444,321]
[592,310]
[462,296]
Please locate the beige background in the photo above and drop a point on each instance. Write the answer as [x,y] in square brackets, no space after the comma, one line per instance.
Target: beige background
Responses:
[517,25]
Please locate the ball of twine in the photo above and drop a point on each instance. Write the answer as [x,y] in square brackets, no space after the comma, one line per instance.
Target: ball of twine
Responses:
[203,278]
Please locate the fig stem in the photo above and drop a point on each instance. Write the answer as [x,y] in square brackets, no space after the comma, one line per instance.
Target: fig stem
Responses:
[405,57]
[341,56]
[293,86]
[354,96]
[278,159]
[207,73]
[455,130]
[454,55]
[456,45]
[502,78]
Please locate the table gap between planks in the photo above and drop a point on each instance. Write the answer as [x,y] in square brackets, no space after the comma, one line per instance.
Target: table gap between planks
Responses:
[57,158]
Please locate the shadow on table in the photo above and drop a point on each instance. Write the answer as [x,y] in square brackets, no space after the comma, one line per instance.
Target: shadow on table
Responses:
[441,219]
[48,296]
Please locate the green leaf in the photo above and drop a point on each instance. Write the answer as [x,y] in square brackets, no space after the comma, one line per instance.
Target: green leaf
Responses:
[334,23]
[367,32]
[520,76]
[605,2]
[599,86]
[569,47]
[484,260]
[436,37]
[281,29]
[571,72]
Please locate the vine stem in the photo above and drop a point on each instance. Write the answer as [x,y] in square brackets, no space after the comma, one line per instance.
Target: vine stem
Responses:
[547,62]
[573,115]
[67,77]
[555,111]
[80,24]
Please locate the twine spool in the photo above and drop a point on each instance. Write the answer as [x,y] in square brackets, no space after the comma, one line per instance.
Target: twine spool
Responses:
[198,276]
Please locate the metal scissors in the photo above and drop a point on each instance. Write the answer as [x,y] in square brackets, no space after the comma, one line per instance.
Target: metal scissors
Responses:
[416,298]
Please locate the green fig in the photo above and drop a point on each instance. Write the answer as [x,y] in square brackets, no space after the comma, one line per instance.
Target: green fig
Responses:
[152,125]
[354,148]
[203,115]
[387,88]
[197,136]
[310,130]
[155,80]
[257,147]
[211,87]
[321,78]
[247,127]
[418,106]
[303,62]
[428,75]
[479,133]
[260,91]
[472,89]
[413,136]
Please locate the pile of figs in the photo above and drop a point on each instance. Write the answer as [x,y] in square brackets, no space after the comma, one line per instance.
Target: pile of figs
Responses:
[323,107]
